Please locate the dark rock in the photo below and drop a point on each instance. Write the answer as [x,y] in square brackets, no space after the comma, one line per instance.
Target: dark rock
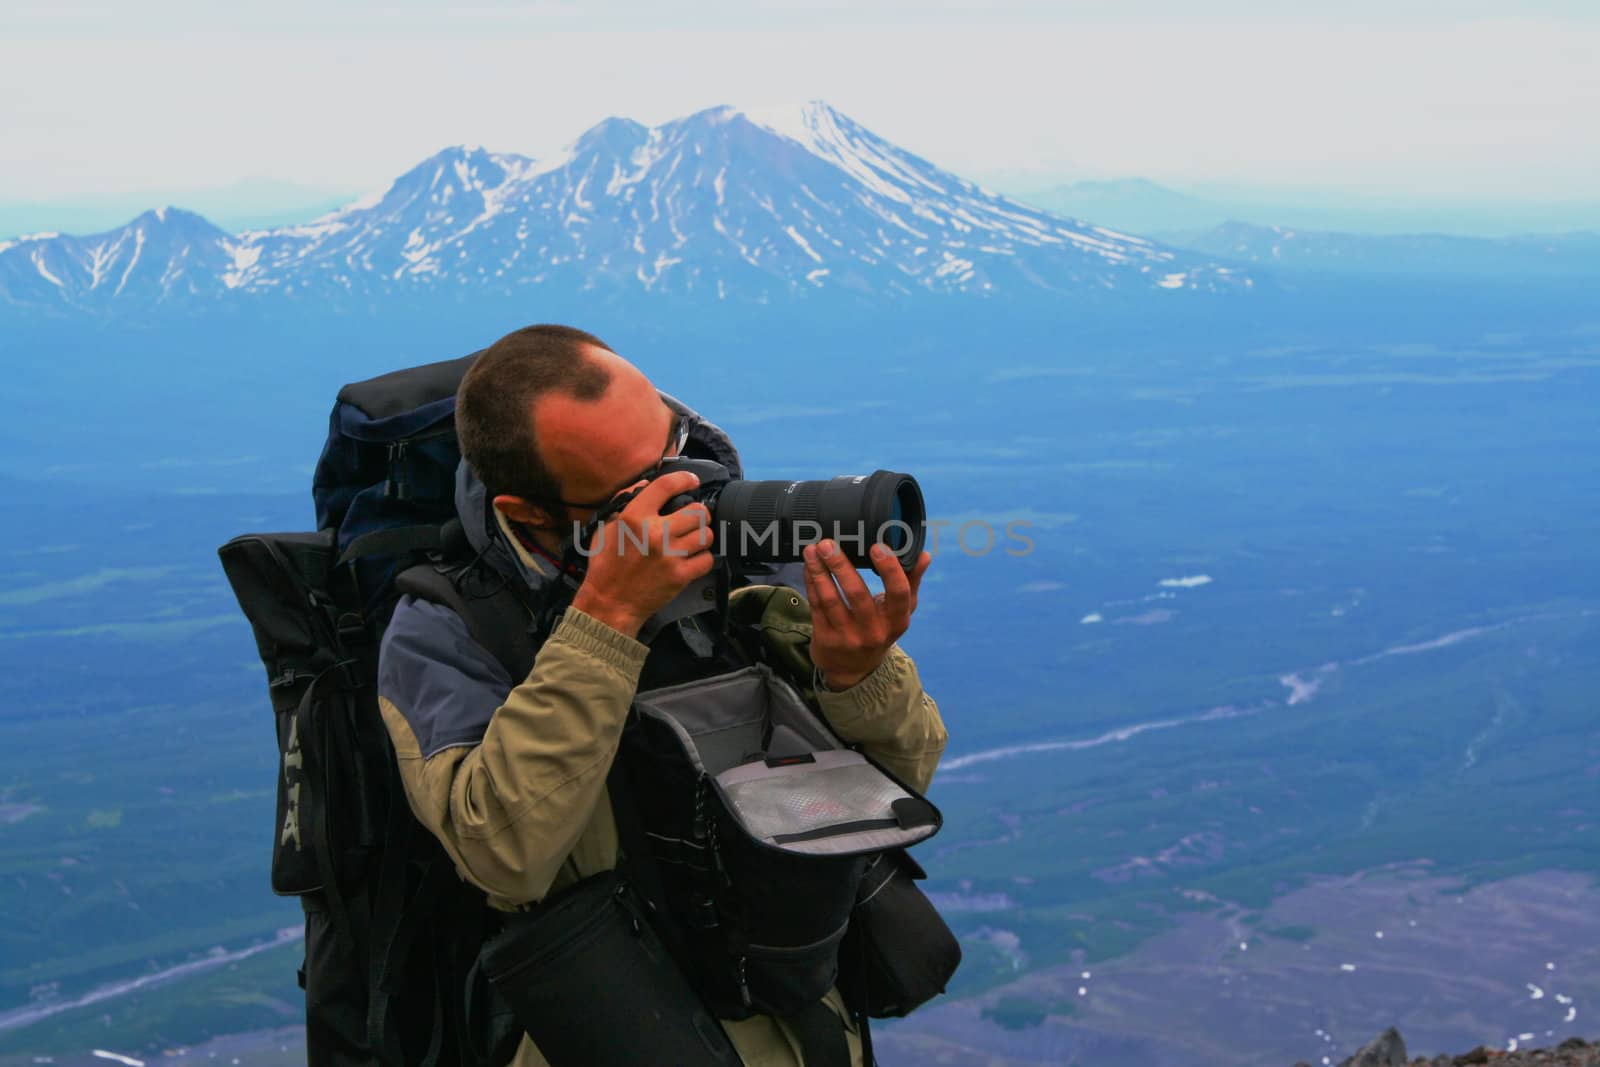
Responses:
[1388,1049]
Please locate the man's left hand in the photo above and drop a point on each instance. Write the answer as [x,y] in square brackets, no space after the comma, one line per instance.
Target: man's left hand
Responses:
[851,629]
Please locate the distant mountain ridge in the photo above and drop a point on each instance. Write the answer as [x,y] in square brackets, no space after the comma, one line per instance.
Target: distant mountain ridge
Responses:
[1139,205]
[723,203]
[1372,255]
[1135,204]
[248,204]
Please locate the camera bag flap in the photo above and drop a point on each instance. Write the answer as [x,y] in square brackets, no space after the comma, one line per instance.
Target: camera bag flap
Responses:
[749,731]
[824,803]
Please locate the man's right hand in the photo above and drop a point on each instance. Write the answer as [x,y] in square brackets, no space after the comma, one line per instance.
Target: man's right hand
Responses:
[625,583]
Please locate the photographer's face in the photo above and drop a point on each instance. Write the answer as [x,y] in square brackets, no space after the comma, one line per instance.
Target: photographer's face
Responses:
[595,448]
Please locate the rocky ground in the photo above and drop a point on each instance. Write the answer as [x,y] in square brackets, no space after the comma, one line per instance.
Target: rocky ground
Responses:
[1388,1049]
[1310,978]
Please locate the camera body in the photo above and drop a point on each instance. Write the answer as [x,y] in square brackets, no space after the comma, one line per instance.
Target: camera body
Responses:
[772,521]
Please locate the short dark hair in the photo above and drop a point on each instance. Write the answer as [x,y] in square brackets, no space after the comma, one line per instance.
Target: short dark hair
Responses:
[494,404]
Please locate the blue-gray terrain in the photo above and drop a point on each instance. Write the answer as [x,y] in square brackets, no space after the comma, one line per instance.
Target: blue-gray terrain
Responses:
[1300,648]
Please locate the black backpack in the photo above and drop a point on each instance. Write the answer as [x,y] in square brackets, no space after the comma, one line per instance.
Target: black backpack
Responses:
[391,930]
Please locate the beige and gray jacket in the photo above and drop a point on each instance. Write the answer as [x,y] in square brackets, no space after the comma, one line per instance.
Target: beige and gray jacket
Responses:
[510,775]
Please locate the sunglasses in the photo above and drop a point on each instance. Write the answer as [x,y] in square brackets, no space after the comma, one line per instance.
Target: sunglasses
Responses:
[677,440]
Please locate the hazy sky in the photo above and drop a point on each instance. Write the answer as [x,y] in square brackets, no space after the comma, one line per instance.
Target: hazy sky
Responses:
[1460,98]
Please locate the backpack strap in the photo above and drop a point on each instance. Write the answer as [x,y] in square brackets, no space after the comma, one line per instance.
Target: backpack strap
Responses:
[394,541]
[499,617]
[398,912]
[636,862]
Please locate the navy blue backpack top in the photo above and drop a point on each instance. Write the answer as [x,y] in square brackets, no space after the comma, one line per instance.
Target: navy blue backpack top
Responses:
[386,479]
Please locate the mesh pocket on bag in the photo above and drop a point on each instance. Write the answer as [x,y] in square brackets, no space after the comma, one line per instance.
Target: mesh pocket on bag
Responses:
[831,803]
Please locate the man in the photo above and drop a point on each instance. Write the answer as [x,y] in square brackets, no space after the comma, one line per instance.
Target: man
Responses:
[510,775]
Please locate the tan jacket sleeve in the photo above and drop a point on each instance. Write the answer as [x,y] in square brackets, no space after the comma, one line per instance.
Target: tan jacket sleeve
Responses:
[509,809]
[892,717]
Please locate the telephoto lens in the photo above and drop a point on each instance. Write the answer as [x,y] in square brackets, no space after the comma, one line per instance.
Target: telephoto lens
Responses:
[770,522]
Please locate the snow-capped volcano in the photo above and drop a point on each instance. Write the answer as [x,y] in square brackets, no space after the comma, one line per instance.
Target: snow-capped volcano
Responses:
[724,203]
[166,254]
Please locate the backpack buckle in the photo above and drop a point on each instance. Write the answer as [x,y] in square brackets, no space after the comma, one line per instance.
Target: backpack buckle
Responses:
[703,912]
[352,628]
